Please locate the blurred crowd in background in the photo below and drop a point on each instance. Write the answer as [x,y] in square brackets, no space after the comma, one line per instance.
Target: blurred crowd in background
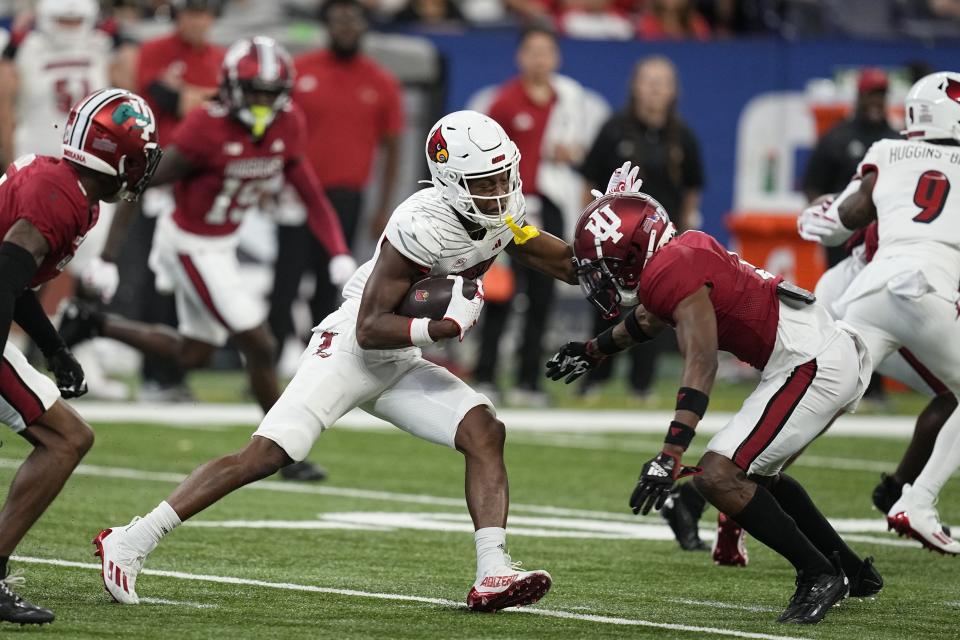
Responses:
[369,106]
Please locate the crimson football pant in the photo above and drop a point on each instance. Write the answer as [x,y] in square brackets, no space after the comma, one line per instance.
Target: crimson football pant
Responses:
[299,251]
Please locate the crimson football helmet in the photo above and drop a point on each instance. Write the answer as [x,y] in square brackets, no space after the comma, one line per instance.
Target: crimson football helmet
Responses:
[113,131]
[615,237]
[256,66]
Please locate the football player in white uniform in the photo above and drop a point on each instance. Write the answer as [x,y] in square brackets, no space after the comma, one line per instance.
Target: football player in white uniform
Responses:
[907,295]
[901,365]
[365,355]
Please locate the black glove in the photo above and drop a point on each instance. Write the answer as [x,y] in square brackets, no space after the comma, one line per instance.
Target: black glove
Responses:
[656,480]
[68,372]
[573,360]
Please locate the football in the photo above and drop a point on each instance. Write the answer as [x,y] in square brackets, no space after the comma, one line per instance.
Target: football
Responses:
[430,297]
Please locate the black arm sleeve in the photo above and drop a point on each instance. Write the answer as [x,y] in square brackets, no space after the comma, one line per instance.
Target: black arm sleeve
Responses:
[17,267]
[164,97]
[31,317]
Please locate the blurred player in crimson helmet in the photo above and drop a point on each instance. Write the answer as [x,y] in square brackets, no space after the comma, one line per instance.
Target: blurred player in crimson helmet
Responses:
[47,206]
[224,159]
[367,355]
[627,253]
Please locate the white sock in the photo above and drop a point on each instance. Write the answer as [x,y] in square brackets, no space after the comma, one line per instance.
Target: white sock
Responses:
[491,547]
[944,460]
[147,532]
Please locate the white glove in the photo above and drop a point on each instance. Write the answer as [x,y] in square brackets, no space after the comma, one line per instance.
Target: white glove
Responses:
[341,268]
[101,277]
[461,310]
[820,223]
[623,179]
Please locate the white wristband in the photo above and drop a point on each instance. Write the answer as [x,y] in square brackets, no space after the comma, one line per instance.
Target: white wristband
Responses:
[420,332]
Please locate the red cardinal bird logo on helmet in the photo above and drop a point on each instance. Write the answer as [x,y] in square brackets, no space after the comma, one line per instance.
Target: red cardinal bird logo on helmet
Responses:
[952,89]
[437,147]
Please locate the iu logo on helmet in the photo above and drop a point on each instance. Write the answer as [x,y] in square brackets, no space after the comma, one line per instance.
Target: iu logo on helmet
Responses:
[437,147]
[128,110]
[604,224]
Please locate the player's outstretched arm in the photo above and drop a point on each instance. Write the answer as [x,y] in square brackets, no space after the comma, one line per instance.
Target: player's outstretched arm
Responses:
[576,358]
[857,210]
[696,325]
[547,254]
[378,327]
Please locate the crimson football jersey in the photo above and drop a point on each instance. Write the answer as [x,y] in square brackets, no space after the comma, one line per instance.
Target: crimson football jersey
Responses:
[744,297]
[46,192]
[231,171]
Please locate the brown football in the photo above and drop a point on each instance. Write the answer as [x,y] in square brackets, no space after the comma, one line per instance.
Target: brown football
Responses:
[430,297]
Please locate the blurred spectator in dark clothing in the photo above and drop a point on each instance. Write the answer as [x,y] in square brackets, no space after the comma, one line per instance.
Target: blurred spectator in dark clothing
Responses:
[729,18]
[431,14]
[917,69]
[175,74]
[840,149]
[354,107]
[649,133]
[542,113]
[534,12]
[672,20]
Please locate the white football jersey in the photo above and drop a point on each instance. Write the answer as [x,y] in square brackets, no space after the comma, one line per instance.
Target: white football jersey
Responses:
[54,77]
[427,231]
[917,196]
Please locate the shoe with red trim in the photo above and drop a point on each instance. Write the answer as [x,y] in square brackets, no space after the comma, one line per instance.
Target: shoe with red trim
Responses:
[729,547]
[921,522]
[120,564]
[508,586]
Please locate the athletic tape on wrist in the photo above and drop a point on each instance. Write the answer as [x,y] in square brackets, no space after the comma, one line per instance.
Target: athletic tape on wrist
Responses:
[679,434]
[689,399]
[632,325]
[420,332]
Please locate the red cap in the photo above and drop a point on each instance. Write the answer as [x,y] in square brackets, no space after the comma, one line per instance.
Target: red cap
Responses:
[872,79]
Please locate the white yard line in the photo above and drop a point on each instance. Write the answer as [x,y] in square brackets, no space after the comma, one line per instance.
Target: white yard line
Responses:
[209,415]
[845,526]
[177,603]
[713,604]
[287,586]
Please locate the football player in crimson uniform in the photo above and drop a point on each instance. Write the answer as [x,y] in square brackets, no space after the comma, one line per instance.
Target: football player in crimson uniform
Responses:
[627,253]
[907,295]
[47,206]
[224,159]
[366,355]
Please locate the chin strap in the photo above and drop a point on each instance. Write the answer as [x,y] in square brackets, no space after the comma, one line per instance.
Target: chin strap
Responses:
[521,234]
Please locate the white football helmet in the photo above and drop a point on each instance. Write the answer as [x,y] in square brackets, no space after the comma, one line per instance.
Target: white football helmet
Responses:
[465,146]
[50,11]
[932,107]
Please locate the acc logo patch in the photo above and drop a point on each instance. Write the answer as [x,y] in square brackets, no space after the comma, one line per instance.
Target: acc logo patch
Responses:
[437,147]
[421,295]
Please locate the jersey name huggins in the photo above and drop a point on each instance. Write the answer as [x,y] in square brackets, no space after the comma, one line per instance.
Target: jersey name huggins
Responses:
[253,168]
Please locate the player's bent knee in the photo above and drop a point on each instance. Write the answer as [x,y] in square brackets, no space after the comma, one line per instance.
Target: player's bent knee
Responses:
[263,457]
[719,475]
[480,431]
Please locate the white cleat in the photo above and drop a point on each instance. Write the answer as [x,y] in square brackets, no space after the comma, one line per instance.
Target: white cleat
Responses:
[508,586]
[922,523]
[120,564]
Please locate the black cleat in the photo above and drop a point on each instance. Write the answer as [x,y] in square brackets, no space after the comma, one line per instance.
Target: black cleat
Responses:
[814,596]
[867,582]
[683,514]
[79,322]
[15,609]
[303,471]
[886,493]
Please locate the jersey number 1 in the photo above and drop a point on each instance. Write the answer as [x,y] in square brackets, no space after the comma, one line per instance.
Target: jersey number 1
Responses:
[931,194]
